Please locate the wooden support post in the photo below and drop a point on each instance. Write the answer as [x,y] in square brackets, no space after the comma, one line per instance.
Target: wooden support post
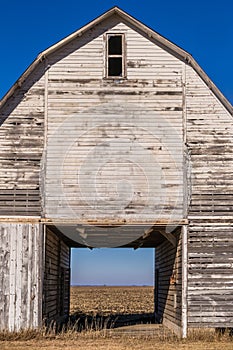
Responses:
[184,280]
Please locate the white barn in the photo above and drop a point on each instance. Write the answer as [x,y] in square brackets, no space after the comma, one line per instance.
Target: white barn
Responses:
[114,137]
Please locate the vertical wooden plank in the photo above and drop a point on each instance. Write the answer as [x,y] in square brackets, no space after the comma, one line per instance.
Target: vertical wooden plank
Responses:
[40,272]
[13,244]
[184,281]
[18,275]
[4,276]
[24,277]
[29,281]
[37,292]
[35,277]
[2,271]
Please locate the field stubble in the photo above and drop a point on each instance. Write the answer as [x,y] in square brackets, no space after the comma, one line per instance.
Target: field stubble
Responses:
[109,301]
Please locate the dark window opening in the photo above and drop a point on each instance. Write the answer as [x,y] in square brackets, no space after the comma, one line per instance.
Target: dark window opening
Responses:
[115,55]
[114,66]
[115,45]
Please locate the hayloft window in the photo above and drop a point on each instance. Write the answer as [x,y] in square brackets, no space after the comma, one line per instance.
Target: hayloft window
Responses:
[115,56]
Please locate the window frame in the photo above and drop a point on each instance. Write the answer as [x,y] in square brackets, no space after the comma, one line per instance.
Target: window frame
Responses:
[122,56]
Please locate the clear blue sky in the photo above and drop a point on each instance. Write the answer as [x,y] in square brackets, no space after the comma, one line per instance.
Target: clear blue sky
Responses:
[203,28]
[112,266]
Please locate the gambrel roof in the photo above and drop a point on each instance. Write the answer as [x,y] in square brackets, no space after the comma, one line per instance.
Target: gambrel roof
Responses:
[151,34]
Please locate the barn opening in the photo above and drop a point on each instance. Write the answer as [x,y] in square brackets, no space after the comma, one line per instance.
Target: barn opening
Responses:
[157,300]
[115,284]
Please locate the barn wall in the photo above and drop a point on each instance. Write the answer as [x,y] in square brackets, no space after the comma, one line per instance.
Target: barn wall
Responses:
[129,129]
[168,283]
[56,278]
[20,276]
[210,245]
[146,116]
[21,143]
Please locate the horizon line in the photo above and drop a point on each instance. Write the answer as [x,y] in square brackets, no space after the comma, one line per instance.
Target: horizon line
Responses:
[111,285]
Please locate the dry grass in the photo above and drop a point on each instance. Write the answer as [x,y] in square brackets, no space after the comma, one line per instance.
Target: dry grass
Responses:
[97,342]
[107,301]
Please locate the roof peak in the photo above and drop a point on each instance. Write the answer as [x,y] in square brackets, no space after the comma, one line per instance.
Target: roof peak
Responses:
[148,32]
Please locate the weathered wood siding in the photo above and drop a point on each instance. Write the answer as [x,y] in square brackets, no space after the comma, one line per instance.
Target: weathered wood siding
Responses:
[168,282]
[21,144]
[56,288]
[210,245]
[104,131]
[114,150]
[20,276]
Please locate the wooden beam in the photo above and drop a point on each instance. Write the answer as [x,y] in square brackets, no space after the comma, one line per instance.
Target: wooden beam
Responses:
[146,234]
[20,219]
[113,222]
[169,237]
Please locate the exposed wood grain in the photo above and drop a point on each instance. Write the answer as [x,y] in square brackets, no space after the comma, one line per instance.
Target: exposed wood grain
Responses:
[168,264]
[56,287]
[20,282]
[111,112]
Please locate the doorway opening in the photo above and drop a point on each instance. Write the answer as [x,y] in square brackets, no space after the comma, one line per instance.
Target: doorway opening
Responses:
[113,286]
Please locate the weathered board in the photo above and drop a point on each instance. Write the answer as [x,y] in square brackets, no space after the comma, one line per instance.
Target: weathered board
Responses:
[56,287]
[21,144]
[168,283]
[114,147]
[21,258]
[210,240]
